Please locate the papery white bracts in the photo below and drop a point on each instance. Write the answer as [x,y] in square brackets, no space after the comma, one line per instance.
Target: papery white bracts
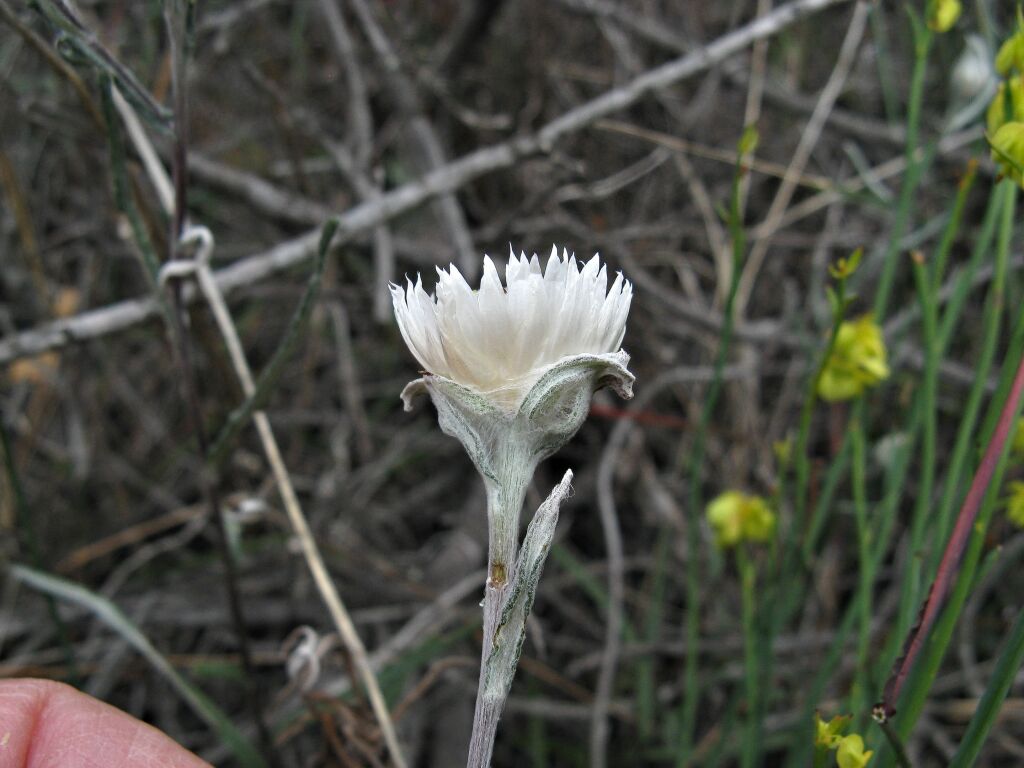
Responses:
[511,370]
[499,340]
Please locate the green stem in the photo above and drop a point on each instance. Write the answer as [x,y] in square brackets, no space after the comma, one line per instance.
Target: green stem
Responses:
[691,682]
[952,226]
[923,670]
[985,715]
[922,45]
[866,572]
[1004,199]
[923,505]
[751,644]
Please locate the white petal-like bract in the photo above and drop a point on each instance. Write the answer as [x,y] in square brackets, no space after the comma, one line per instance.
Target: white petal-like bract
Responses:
[498,340]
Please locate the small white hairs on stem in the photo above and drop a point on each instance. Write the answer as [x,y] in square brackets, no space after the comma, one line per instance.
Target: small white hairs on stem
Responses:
[499,340]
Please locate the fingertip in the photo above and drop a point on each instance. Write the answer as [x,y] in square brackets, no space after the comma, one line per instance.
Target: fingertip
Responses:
[46,723]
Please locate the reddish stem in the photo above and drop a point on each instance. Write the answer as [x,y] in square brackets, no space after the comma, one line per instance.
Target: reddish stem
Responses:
[949,565]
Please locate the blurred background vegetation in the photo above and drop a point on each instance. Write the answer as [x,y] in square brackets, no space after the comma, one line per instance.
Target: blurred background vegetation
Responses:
[301,110]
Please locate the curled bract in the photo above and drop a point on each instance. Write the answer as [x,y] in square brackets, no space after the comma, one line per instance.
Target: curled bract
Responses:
[549,414]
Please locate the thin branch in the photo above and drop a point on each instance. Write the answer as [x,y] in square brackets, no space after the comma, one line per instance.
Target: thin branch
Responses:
[117,317]
[335,605]
[200,266]
[357,168]
[423,135]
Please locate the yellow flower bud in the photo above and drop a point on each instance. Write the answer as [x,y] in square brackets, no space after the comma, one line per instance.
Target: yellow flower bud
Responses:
[1011,53]
[851,754]
[1015,504]
[737,517]
[943,14]
[1008,150]
[831,733]
[858,360]
[748,141]
[1007,106]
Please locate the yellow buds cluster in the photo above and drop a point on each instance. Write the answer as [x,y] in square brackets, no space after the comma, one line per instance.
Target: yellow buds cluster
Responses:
[1005,118]
[943,14]
[737,517]
[1015,504]
[858,360]
[850,752]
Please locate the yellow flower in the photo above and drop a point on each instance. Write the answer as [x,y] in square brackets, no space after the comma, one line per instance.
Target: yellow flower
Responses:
[942,14]
[737,517]
[1008,150]
[1015,504]
[831,733]
[851,754]
[1011,53]
[1007,106]
[858,360]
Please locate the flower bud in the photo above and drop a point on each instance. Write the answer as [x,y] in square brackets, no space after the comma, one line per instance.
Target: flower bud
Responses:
[737,517]
[1008,150]
[943,14]
[1011,52]
[851,754]
[858,360]
[828,735]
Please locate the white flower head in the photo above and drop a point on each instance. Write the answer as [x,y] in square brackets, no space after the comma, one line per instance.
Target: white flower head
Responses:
[498,341]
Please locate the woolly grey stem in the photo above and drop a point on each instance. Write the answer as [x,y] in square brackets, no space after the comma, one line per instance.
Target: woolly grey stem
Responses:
[488,704]
[505,495]
[509,591]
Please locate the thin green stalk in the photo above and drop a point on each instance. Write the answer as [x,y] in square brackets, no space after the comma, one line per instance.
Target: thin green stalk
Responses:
[751,643]
[982,247]
[835,474]
[923,504]
[801,743]
[536,733]
[646,688]
[786,576]
[265,384]
[882,526]
[922,45]
[866,573]
[802,463]
[985,715]
[1005,197]
[691,681]
[941,258]
[997,423]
